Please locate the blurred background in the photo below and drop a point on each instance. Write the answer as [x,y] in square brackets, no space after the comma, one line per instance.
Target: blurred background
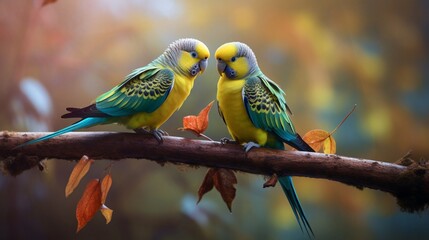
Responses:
[327,56]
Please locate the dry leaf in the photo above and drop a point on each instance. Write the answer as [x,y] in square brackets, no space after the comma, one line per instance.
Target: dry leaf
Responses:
[207,184]
[79,171]
[271,181]
[223,180]
[318,138]
[107,213]
[315,138]
[197,124]
[89,203]
[106,183]
[329,145]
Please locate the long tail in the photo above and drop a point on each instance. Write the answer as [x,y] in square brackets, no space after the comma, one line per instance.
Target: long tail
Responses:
[287,185]
[84,123]
[292,197]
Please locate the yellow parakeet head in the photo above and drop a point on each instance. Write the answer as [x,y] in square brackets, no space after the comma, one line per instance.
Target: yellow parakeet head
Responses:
[235,60]
[187,56]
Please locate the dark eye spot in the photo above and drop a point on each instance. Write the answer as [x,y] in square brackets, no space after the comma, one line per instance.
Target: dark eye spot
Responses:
[233,59]
[194,54]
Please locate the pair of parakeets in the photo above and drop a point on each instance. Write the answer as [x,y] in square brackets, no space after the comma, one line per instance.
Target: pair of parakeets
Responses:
[253,107]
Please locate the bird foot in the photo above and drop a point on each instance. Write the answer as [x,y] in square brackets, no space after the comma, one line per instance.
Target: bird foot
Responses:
[157,133]
[226,140]
[271,181]
[250,145]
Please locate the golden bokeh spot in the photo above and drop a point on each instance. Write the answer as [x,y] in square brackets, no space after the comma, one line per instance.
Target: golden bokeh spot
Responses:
[377,122]
[244,18]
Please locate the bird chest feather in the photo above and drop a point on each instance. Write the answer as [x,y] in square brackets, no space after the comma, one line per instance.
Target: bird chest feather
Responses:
[237,120]
[153,120]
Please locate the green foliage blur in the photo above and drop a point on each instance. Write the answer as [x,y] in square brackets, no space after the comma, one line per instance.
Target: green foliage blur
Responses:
[326,55]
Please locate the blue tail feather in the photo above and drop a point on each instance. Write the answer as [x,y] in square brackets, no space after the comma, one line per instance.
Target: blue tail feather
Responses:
[287,184]
[84,123]
[289,190]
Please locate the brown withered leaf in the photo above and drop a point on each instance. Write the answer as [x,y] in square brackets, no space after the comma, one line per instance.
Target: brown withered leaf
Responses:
[106,183]
[207,184]
[271,181]
[78,172]
[318,138]
[46,2]
[197,124]
[107,213]
[89,203]
[224,181]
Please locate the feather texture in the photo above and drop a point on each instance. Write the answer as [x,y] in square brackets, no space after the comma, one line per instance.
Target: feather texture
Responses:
[84,123]
[141,92]
[254,109]
[149,95]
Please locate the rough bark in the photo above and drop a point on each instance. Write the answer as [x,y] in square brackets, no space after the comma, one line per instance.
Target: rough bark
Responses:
[407,180]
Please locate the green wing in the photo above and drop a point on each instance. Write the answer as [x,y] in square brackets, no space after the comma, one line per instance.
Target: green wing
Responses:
[144,90]
[266,106]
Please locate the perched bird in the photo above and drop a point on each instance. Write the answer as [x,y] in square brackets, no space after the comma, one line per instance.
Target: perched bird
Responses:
[148,96]
[254,110]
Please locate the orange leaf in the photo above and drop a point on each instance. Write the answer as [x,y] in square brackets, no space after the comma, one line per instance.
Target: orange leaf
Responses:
[107,213]
[106,183]
[197,124]
[318,138]
[224,181]
[79,171]
[46,2]
[207,184]
[89,203]
[315,138]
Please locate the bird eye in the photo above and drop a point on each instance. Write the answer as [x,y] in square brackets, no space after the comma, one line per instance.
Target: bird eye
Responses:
[194,54]
[233,59]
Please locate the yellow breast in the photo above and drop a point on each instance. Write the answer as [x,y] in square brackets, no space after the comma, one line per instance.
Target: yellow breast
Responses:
[181,90]
[237,120]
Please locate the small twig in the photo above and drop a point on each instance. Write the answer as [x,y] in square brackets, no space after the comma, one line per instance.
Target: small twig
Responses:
[344,119]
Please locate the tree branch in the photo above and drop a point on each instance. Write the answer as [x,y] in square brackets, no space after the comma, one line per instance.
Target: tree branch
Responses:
[408,180]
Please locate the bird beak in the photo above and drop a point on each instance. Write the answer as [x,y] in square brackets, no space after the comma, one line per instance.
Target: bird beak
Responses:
[221,65]
[203,65]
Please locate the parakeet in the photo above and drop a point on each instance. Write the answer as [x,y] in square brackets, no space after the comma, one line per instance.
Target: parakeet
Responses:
[255,112]
[148,96]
